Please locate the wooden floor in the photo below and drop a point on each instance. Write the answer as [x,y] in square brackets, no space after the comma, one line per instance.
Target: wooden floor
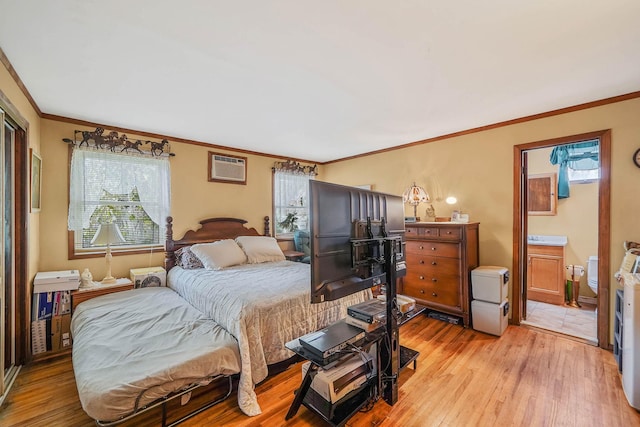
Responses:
[463,378]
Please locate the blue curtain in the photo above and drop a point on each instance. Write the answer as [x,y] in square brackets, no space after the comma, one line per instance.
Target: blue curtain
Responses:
[580,156]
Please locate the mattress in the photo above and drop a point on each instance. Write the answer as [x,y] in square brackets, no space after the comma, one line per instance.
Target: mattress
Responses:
[263,306]
[131,348]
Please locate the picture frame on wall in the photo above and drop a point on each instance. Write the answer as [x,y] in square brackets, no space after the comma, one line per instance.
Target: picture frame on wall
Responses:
[36,181]
[227,168]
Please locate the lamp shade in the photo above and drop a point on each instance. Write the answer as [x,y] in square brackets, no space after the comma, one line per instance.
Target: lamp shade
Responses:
[107,234]
[415,194]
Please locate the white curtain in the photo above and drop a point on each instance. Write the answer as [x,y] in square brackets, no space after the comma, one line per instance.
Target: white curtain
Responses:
[93,172]
[292,189]
[291,195]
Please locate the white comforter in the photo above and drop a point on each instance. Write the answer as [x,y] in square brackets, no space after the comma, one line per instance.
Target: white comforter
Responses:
[263,306]
[131,348]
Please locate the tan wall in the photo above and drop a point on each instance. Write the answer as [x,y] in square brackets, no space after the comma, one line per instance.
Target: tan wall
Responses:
[576,218]
[193,198]
[478,170]
[11,91]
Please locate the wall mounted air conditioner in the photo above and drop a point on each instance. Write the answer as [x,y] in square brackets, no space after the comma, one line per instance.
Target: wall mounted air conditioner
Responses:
[228,169]
[148,277]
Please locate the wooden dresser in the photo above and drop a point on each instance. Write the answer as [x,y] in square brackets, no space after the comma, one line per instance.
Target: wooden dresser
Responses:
[440,257]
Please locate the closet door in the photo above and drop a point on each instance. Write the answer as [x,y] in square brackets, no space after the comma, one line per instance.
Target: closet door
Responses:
[7,254]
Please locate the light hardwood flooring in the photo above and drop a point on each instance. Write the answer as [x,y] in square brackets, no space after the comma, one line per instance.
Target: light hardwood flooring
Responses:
[463,378]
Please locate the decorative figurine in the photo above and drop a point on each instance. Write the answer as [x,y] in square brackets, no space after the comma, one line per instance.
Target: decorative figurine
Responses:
[86,279]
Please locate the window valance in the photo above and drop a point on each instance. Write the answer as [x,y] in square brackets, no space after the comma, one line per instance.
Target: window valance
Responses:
[115,143]
[294,167]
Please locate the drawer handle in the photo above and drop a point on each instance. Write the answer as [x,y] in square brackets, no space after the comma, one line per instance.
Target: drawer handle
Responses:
[448,232]
[434,294]
[421,261]
[422,291]
[433,248]
[434,280]
[421,277]
[434,263]
[421,247]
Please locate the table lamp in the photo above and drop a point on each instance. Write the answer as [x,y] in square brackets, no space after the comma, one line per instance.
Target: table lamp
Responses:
[108,234]
[415,195]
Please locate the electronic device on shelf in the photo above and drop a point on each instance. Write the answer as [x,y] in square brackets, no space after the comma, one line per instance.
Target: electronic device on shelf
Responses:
[370,311]
[335,382]
[332,339]
[148,277]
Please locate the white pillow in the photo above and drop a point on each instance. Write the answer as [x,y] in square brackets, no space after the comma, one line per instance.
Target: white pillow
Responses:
[260,249]
[220,254]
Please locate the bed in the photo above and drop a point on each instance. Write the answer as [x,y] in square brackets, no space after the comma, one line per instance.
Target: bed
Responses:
[133,350]
[262,304]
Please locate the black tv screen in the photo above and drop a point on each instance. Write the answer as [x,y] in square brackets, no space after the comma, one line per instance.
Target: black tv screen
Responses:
[339,214]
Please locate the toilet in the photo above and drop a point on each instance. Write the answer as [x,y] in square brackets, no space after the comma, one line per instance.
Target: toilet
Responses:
[592,273]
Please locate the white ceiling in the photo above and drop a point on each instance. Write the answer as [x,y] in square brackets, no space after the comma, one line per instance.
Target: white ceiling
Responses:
[318,80]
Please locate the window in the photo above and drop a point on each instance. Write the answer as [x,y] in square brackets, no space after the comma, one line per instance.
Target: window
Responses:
[576,162]
[290,202]
[130,190]
[578,176]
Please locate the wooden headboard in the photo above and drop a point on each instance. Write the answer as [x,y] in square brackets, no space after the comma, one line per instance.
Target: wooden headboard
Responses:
[210,230]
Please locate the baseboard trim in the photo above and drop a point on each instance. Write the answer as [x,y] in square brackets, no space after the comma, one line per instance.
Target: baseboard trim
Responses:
[588,300]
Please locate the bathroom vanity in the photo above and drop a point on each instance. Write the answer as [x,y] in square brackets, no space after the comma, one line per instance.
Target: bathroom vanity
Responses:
[545,269]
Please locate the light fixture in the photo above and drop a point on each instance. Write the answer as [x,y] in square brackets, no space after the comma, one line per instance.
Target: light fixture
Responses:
[108,234]
[415,195]
[451,200]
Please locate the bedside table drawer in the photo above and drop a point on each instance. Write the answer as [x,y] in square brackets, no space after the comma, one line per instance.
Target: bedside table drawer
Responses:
[82,295]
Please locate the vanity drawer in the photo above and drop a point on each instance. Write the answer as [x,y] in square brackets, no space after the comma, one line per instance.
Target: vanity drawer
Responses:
[444,249]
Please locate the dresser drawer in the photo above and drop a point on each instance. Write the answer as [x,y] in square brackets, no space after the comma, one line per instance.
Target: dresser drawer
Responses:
[444,249]
[418,232]
[440,293]
[423,275]
[450,233]
[431,265]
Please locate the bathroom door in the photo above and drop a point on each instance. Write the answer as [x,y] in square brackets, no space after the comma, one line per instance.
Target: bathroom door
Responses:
[524,188]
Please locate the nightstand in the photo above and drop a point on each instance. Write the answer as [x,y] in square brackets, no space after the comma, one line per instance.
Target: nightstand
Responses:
[293,255]
[83,294]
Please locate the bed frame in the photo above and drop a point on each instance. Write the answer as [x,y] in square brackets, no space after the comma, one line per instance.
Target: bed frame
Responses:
[163,401]
[210,230]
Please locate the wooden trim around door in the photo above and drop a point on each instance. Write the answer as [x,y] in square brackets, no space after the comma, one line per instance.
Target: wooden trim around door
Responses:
[604,227]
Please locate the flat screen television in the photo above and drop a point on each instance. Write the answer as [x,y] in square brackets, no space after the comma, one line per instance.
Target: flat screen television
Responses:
[338,216]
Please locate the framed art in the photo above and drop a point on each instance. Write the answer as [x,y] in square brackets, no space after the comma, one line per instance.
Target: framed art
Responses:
[36,181]
[226,168]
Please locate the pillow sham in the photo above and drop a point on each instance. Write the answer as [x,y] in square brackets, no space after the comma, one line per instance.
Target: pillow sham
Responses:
[220,254]
[260,249]
[186,259]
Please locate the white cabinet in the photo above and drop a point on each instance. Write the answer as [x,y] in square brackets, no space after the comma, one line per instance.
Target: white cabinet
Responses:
[631,340]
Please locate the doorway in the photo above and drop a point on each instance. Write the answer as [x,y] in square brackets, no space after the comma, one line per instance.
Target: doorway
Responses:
[521,269]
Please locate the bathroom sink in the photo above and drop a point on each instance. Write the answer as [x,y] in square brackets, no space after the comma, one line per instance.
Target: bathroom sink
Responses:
[536,239]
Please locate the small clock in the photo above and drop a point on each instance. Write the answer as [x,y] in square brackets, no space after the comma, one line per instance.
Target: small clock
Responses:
[636,157]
